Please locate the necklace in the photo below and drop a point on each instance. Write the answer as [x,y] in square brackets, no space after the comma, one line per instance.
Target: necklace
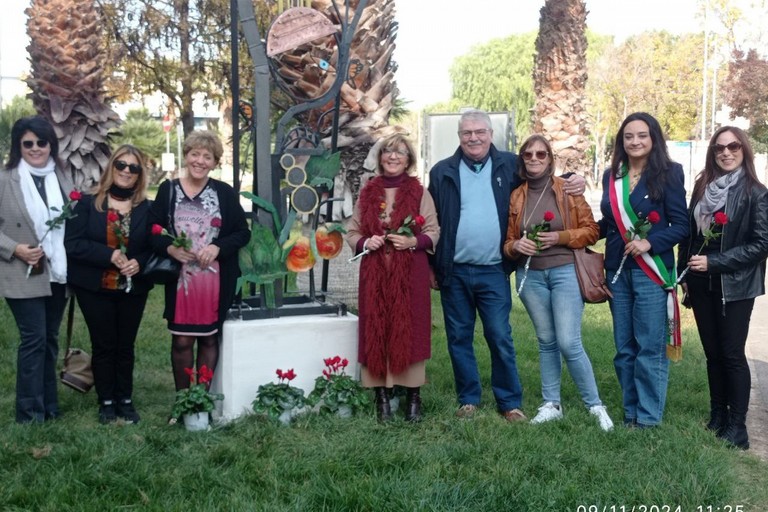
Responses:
[526,220]
[634,179]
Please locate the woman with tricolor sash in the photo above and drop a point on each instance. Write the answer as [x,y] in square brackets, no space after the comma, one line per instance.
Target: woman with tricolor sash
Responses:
[644,217]
[722,266]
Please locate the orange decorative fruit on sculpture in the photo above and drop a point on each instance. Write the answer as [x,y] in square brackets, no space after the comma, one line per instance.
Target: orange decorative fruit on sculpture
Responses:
[329,242]
[300,259]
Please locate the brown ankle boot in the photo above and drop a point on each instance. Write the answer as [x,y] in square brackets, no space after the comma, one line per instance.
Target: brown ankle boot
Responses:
[383,410]
[413,405]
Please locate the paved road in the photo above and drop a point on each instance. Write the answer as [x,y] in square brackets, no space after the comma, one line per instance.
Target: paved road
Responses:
[757,353]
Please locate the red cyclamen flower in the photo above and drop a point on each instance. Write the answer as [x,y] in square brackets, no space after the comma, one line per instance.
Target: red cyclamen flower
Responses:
[289,375]
[75,195]
[721,218]
[548,216]
[654,217]
[205,375]
[157,229]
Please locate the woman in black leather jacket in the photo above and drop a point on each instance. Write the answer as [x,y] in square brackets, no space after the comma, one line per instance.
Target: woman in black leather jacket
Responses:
[726,271]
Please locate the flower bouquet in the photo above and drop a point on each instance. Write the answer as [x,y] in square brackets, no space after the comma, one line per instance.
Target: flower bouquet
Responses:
[638,231]
[338,393]
[280,401]
[181,240]
[718,219]
[195,400]
[533,234]
[56,223]
[117,228]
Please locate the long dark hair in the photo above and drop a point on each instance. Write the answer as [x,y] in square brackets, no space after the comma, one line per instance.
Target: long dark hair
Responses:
[712,169]
[40,127]
[658,160]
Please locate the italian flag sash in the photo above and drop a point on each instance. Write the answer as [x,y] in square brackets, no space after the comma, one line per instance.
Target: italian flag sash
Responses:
[653,266]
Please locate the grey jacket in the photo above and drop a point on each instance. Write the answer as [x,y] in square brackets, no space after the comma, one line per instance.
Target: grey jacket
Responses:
[744,245]
[16,228]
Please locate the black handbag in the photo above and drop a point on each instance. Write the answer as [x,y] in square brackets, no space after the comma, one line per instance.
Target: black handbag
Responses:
[163,269]
[76,372]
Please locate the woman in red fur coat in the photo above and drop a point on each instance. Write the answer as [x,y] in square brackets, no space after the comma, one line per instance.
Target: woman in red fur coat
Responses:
[395,224]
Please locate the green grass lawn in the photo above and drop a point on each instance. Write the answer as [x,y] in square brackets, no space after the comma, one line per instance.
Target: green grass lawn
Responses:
[334,464]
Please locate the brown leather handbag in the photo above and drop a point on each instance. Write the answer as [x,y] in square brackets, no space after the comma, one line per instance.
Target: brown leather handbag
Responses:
[76,372]
[590,271]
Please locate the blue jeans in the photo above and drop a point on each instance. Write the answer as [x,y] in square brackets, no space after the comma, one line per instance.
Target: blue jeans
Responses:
[639,308]
[38,320]
[553,301]
[482,289]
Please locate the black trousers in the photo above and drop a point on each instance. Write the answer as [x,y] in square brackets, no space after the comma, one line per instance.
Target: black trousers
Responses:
[113,319]
[723,331]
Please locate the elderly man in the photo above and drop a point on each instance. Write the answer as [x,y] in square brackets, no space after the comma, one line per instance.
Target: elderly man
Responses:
[471,191]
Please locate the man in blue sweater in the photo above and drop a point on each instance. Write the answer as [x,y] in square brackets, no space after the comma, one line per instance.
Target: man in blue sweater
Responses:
[471,191]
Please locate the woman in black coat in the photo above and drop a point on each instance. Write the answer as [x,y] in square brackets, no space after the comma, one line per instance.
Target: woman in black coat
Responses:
[107,245]
[725,260]
[208,213]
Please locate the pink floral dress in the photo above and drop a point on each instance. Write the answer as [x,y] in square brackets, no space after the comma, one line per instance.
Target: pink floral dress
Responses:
[197,292]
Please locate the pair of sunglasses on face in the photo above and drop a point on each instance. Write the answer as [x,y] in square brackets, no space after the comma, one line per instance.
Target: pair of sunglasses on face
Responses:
[540,155]
[733,147]
[29,144]
[132,168]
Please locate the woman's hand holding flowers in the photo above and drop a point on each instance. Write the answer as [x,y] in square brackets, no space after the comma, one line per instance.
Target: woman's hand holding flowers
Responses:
[375,242]
[28,254]
[401,242]
[637,247]
[698,263]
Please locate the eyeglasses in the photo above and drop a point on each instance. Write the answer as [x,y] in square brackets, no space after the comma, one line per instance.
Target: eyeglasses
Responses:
[132,168]
[391,151]
[467,134]
[29,144]
[733,147]
[540,155]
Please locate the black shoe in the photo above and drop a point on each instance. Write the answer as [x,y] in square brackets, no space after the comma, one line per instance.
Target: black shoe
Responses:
[107,412]
[126,411]
[383,409]
[718,420]
[413,405]
[736,432]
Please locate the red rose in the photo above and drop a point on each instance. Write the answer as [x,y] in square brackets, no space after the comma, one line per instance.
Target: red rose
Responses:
[216,222]
[75,195]
[112,216]
[157,229]
[654,217]
[419,220]
[548,216]
[721,218]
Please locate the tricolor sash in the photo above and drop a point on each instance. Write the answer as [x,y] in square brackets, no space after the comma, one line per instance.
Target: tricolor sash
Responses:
[653,266]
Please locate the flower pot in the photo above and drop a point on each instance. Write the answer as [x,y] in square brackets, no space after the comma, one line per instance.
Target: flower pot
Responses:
[344,411]
[196,422]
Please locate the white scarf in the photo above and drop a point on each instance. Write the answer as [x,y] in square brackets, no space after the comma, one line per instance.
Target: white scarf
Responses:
[53,243]
[714,198]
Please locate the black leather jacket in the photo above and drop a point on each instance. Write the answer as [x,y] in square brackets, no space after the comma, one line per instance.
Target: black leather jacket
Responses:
[741,260]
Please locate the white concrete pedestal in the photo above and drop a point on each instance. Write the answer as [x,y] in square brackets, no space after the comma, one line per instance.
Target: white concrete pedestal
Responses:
[252,350]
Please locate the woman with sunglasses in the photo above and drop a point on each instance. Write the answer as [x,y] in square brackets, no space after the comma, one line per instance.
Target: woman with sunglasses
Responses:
[725,258]
[643,193]
[33,190]
[548,285]
[208,214]
[394,306]
[108,244]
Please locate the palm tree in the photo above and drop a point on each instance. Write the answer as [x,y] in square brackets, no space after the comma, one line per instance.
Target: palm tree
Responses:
[560,76]
[67,82]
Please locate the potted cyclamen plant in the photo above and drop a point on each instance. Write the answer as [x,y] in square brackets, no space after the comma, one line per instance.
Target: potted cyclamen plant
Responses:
[195,402]
[280,401]
[338,393]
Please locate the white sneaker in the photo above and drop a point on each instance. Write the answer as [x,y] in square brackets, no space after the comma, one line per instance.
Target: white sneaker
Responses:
[602,417]
[548,412]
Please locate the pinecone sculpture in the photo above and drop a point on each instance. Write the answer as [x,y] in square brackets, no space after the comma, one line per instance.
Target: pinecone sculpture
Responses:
[67,82]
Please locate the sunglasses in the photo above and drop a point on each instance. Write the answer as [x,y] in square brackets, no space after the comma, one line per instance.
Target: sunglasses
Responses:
[29,144]
[733,147]
[132,168]
[540,155]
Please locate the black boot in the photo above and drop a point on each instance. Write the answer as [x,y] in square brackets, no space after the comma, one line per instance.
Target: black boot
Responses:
[383,410]
[413,405]
[718,419]
[736,432]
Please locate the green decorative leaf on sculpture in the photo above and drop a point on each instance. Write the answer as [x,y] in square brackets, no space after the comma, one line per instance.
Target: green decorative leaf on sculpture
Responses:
[322,169]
